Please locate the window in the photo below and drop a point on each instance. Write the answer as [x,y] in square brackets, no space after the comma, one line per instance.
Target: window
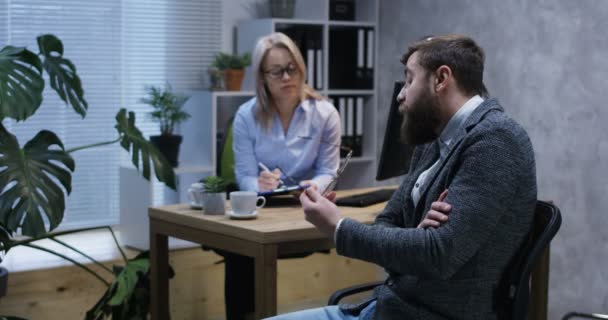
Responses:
[118,47]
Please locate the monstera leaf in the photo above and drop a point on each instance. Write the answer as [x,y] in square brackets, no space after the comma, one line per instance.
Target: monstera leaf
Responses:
[62,73]
[30,177]
[21,83]
[132,140]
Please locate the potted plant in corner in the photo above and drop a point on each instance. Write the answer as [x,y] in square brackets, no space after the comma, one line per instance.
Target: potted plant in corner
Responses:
[233,66]
[37,174]
[168,112]
[214,198]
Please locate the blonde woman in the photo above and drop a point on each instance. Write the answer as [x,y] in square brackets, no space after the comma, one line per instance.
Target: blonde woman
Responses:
[289,129]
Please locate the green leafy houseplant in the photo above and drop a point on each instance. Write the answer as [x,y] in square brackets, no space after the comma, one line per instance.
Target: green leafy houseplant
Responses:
[225,61]
[232,65]
[214,184]
[168,112]
[167,107]
[37,176]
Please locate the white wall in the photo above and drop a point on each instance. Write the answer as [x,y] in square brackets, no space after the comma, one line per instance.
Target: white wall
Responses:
[235,11]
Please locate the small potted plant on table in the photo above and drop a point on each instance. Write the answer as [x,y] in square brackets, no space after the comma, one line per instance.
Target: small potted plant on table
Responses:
[168,112]
[214,198]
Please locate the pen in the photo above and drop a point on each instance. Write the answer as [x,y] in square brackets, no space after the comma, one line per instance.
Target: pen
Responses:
[265,168]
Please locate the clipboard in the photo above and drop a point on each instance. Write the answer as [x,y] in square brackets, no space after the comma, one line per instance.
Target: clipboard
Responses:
[282,190]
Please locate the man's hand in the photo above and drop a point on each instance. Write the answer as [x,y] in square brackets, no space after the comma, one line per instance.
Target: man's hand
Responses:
[269,180]
[438,213]
[321,211]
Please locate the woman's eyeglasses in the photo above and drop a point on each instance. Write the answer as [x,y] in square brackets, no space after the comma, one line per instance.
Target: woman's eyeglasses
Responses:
[334,181]
[278,72]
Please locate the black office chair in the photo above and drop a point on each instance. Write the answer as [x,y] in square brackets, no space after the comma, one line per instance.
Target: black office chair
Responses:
[572,315]
[514,290]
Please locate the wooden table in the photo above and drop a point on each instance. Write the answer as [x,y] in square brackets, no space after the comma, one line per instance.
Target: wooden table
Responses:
[276,231]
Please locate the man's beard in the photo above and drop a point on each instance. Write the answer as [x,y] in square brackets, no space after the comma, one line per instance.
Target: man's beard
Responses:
[421,121]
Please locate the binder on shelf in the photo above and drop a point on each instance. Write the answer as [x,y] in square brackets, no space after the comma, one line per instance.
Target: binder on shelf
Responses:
[360,72]
[342,112]
[349,139]
[351,57]
[358,139]
[369,55]
[342,57]
[319,69]
[310,66]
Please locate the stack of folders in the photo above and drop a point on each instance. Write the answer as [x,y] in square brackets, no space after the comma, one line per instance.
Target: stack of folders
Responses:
[352,114]
[314,64]
[309,41]
[348,70]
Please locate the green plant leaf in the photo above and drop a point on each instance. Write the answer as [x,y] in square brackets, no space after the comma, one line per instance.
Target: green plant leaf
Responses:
[128,297]
[225,61]
[214,184]
[21,83]
[62,73]
[30,177]
[133,141]
[122,297]
[127,279]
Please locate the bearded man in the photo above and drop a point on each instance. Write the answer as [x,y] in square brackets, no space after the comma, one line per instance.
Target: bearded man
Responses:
[471,161]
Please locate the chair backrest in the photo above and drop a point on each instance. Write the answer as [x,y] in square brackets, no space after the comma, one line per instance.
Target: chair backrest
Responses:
[514,292]
[226,167]
[226,162]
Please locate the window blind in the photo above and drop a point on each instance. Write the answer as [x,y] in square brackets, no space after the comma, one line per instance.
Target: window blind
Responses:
[118,47]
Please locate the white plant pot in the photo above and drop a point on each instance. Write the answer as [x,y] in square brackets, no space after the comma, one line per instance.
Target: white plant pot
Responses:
[214,203]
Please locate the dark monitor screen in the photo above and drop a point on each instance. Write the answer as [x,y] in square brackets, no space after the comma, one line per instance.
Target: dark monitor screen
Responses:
[396,155]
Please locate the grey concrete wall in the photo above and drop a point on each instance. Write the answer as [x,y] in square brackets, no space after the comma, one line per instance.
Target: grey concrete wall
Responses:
[547,62]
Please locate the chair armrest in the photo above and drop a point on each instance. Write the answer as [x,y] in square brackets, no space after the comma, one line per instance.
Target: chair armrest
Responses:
[570,315]
[338,295]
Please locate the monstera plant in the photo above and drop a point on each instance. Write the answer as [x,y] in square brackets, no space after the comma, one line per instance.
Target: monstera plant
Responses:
[36,176]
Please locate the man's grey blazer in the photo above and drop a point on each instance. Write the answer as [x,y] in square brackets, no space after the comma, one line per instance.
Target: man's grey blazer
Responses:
[452,272]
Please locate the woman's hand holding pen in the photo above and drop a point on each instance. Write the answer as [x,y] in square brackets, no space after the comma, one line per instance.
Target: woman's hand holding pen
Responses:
[309,184]
[269,180]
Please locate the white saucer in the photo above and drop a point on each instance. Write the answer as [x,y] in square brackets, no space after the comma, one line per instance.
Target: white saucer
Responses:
[195,206]
[233,215]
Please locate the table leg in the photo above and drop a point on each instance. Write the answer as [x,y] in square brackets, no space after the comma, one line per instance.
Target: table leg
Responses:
[266,282]
[159,275]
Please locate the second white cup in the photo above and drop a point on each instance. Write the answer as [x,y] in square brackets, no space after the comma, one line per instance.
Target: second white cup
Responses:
[245,202]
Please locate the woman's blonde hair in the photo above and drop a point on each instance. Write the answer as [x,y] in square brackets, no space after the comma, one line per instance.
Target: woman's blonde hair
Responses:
[264,109]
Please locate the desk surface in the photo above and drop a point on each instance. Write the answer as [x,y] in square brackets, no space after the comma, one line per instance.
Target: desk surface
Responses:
[273,225]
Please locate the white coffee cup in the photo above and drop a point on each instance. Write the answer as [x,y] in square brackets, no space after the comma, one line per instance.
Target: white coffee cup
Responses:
[195,193]
[245,202]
